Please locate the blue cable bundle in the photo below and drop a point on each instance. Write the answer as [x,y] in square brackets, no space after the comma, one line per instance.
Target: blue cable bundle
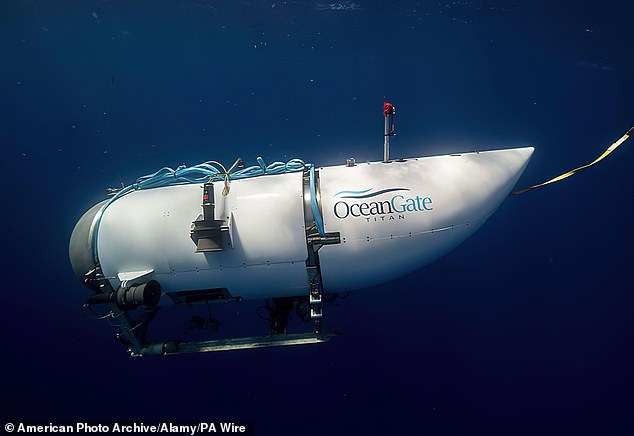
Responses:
[207,171]
[201,173]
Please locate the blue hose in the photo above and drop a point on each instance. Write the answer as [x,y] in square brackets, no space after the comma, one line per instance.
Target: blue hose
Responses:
[200,173]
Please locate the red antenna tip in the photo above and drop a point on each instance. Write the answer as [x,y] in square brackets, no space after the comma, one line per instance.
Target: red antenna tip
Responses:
[388,109]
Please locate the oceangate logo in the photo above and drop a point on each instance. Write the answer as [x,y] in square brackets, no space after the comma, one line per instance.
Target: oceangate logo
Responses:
[396,207]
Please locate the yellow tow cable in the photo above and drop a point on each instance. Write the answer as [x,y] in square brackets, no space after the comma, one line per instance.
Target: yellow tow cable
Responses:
[610,149]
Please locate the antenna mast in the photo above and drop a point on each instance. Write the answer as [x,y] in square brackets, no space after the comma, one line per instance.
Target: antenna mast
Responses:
[389,111]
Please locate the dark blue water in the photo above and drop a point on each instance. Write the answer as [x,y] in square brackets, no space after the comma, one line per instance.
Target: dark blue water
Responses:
[527,328]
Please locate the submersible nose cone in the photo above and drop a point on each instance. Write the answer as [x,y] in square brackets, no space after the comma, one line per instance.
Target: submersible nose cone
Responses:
[81,246]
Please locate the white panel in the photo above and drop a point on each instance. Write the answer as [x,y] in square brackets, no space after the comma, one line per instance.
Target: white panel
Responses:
[360,263]
[268,218]
[150,229]
[131,234]
[448,198]
[184,206]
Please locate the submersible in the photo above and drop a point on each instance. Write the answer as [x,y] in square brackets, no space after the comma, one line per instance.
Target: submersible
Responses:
[292,233]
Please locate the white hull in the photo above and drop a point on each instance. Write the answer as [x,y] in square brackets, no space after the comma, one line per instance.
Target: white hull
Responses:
[462,191]
[430,206]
